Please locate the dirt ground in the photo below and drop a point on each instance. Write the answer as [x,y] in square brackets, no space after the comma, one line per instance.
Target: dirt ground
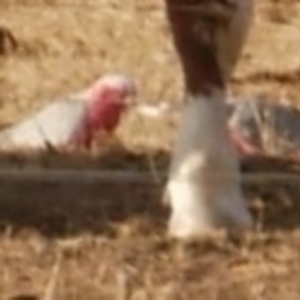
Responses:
[88,240]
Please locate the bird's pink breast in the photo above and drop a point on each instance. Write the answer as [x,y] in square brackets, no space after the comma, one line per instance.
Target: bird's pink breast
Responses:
[105,114]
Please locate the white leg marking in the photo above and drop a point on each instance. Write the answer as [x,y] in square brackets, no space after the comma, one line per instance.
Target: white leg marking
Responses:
[204,183]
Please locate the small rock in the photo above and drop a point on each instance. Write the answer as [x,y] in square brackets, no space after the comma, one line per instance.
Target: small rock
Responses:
[8,42]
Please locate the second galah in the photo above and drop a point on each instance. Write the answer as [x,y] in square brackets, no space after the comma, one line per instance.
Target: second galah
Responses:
[73,121]
[258,125]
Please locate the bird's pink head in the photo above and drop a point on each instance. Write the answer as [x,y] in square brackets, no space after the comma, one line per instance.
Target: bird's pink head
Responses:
[108,98]
[242,144]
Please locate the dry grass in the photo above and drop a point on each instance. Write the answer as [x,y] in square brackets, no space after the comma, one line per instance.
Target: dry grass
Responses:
[108,241]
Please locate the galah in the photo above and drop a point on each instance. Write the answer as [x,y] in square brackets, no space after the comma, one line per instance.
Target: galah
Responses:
[266,127]
[74,120]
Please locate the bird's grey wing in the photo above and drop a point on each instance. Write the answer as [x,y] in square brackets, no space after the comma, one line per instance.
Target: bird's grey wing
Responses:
[244,116]
[287,126]
[52,125]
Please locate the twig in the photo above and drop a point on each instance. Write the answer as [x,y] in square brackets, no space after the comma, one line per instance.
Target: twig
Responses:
[50,288]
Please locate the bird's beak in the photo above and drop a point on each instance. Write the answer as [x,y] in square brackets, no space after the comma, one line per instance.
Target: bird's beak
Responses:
[152,110]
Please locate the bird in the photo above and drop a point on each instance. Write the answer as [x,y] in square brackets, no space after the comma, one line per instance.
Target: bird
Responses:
[74,120]
[268,127]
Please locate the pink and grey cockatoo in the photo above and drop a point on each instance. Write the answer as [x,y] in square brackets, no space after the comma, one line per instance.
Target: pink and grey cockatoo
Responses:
[74,120]
[260,126]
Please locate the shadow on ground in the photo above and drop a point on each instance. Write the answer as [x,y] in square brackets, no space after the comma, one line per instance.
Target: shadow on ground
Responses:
[67,208]
[70,208]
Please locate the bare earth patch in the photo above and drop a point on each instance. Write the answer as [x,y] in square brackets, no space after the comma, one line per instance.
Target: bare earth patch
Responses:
[88,240]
